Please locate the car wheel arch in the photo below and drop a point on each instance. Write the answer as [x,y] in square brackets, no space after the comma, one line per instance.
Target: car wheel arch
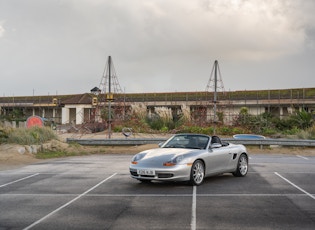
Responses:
[245,155]
[237,172]
[198,177]
[204,163]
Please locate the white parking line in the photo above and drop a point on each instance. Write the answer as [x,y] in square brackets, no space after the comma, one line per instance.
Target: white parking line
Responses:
[294,185]
[160,195]
[305,158]
[71,201]
[24,178]
[193,209]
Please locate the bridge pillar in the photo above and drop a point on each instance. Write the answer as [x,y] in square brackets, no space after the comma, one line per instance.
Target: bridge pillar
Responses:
[209,113]
[65,115]
[54,113]
[79,115]
[281,112]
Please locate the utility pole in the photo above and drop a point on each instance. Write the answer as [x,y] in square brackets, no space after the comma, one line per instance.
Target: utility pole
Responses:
[215,91]
[110,98]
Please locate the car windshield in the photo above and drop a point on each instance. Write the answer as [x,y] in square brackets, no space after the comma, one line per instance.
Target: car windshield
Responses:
[187,141]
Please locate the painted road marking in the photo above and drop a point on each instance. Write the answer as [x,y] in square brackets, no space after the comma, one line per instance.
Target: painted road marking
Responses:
[193,209]
[305,158]
[162,195]
[294,185]
[67,204]
[24,178]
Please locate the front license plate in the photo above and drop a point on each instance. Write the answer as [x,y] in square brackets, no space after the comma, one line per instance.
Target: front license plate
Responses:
[146,172]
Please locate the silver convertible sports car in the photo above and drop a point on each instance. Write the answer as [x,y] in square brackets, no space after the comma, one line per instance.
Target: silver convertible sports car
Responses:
[189,157]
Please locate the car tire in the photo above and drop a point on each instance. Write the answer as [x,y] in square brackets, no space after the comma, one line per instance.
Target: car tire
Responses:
[242,166]
[197,173]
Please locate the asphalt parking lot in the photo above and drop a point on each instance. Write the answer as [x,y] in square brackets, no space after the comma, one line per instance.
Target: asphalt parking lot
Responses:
[96,192]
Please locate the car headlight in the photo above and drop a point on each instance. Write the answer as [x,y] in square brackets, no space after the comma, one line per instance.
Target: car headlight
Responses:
[176,160]
[137,158]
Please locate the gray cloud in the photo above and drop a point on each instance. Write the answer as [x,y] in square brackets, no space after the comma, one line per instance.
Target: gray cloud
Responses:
[1,30]
[157,45]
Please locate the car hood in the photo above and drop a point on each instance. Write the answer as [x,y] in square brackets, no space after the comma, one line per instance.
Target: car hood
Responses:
[160,155]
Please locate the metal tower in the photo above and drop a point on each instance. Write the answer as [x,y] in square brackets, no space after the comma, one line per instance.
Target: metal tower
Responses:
[109,87]
[215,84]
[109,83]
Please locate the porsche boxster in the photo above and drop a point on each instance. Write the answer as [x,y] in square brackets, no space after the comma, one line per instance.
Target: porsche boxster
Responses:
[189,157]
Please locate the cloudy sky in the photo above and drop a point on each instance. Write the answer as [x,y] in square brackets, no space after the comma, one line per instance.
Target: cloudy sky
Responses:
[50,47]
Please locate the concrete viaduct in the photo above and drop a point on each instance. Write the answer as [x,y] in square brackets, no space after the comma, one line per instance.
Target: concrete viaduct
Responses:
[80,108]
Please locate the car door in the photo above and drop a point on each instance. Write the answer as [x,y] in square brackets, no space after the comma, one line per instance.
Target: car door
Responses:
[217,160]
[234,153]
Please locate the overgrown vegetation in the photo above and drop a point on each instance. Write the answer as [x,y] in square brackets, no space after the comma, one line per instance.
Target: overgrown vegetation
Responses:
[27,136]
[48,154]
[14,115]
[38,136]
[3,135]
[300,123]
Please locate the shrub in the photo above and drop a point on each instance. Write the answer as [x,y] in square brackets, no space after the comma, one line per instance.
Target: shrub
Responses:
[138,126]
[30,136]
[225,130]
[307,134]
[303,119]
[4,134]
[155,122]
[117,128]
[164,129]
[284,124]
[292,131]
[196,129]
[268,131]
[239,130]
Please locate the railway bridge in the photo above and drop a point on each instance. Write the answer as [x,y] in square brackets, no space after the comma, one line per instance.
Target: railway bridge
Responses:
[81,108]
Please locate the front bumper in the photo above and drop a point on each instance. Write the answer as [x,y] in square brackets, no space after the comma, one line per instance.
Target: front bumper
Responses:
[172,173]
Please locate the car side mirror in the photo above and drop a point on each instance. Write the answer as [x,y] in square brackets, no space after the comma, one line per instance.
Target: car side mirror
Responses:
[216,145]
[160,144]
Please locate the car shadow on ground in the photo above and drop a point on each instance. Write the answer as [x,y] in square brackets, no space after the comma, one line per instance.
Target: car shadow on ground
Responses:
[221,178]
